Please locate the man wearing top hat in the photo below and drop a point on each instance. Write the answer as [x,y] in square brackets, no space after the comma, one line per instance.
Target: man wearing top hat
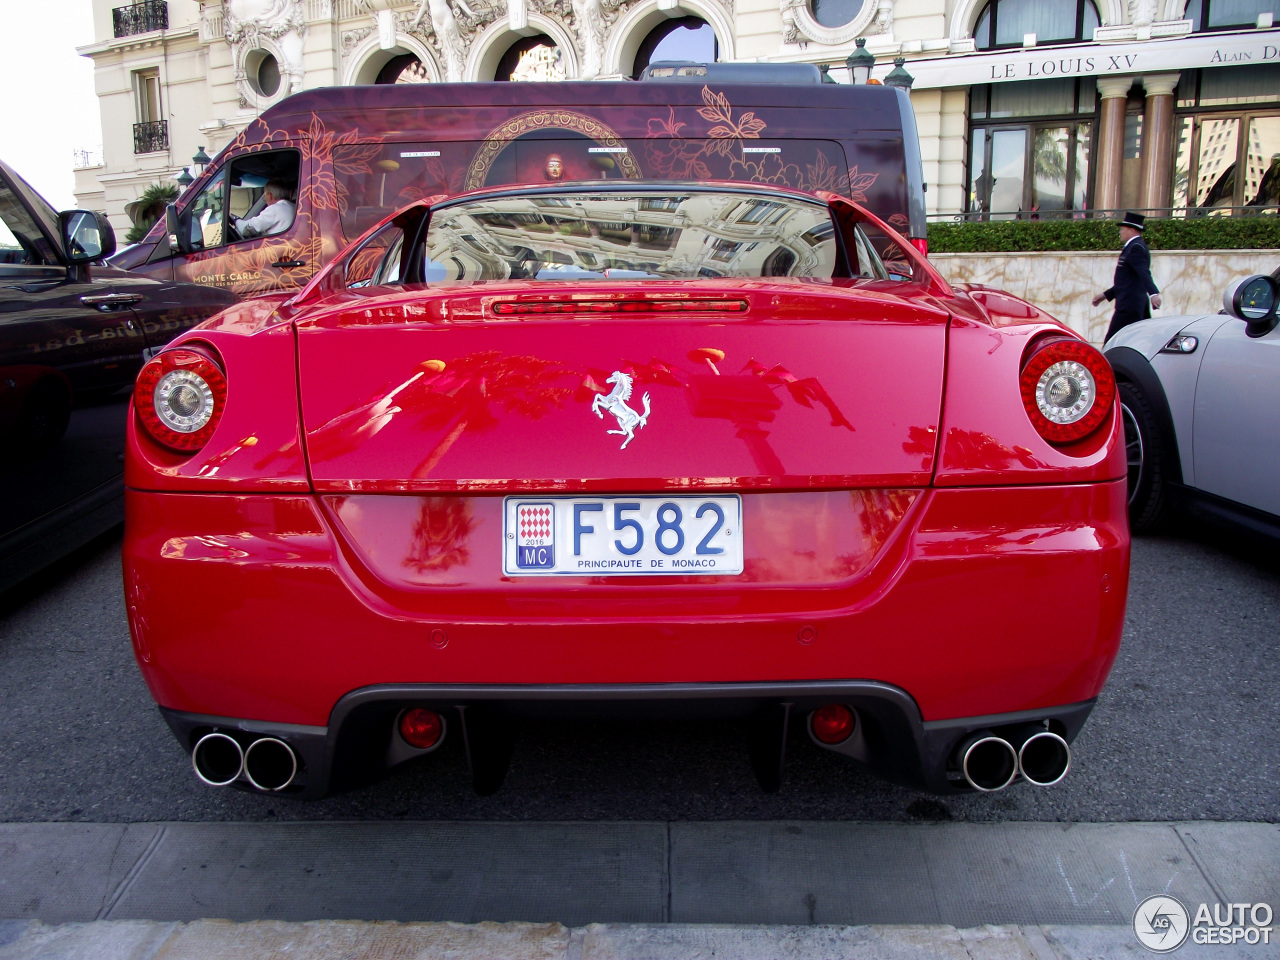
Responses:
[1133,290]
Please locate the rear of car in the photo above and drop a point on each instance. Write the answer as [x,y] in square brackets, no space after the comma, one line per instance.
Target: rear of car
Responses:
[627,450]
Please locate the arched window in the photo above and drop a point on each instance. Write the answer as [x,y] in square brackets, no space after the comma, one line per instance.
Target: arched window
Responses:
[835,13]
[533,58]
[1006,23]
[405,68]
[686,38]
[1230,14]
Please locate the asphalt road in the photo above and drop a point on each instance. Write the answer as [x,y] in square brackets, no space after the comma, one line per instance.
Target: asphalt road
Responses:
[1186,728]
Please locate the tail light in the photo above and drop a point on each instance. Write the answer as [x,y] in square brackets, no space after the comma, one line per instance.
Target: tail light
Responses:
[1068,389]
[179,397]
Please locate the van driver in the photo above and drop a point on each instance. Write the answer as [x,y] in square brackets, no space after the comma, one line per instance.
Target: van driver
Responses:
[277,217]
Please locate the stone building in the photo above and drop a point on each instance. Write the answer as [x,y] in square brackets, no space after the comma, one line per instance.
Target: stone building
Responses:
[1026,108]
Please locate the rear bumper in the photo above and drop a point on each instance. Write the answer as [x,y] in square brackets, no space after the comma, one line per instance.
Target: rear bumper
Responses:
[981,602]
[359,741]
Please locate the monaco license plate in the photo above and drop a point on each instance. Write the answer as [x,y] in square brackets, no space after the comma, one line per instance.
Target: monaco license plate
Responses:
[622,536]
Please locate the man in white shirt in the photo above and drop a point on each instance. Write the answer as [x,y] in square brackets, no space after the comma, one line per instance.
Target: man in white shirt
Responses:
[277,217]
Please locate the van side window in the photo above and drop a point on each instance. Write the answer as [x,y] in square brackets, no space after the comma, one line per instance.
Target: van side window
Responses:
[207,212]
[253,196]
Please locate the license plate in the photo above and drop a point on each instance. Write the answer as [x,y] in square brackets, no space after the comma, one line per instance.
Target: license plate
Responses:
[622,536]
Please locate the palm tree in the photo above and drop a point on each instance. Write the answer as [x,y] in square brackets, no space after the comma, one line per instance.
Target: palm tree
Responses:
[148,208]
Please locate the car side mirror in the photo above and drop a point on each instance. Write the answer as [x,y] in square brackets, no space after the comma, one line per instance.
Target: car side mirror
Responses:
[1254,300]
[179,239]
[86,236]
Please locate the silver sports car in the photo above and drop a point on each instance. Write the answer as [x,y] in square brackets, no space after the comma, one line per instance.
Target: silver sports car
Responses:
[1199,396]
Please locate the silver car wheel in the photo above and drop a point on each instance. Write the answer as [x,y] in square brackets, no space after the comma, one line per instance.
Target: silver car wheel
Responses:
[1132,449]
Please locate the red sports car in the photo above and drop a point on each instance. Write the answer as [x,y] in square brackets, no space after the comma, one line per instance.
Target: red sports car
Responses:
[627,449]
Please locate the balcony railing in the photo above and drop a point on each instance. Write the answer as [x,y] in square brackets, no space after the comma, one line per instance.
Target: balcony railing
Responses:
[151,136]
[140,17]
[82,158]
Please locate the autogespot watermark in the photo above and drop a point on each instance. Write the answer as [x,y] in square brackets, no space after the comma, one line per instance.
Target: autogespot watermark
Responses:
[1162,924]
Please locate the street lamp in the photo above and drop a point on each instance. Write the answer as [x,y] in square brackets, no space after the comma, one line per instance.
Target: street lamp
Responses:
[860,62]
[201,160]
[898,77]
[184,178]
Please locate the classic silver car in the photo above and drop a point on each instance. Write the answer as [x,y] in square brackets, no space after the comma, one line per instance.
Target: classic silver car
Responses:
[1199,396]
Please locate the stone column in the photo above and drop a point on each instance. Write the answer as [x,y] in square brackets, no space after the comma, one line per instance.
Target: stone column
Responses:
[1114,92]
[1157,141]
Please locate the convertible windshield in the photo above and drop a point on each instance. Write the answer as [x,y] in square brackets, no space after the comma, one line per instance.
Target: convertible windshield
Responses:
[679,235]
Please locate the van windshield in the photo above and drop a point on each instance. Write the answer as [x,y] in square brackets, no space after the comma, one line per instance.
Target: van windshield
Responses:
[680,235]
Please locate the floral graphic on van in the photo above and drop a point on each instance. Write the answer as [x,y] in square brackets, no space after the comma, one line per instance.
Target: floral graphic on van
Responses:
[859,183]
[727,130]
[673,151]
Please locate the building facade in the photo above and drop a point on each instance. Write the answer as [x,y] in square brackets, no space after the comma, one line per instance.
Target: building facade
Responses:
[1026,108]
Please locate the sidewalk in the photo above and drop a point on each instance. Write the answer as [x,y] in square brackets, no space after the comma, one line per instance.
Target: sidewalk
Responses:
[328,939]
[806,889]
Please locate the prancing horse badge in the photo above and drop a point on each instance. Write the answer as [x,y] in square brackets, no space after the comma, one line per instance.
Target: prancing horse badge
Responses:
[616,403]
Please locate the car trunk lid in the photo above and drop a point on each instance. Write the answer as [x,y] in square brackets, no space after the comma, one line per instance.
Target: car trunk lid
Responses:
[644,386]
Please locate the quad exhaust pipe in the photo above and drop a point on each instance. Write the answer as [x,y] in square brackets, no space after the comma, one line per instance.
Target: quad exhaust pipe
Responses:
[990,763]
[269,764]
[1044,759]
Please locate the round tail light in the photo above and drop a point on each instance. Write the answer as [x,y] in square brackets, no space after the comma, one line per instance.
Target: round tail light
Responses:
[833,723]
[421,728]
[179,398]
[1068,389]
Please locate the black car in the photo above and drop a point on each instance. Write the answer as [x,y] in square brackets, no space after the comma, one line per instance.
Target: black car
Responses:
[73,335]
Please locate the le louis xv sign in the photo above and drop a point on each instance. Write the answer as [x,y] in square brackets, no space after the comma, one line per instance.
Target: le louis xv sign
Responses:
[1100,59]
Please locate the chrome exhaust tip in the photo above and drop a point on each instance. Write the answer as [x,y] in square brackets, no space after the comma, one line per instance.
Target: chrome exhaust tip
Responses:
[217,759]
[270,764]
[989,763]
[1044,759]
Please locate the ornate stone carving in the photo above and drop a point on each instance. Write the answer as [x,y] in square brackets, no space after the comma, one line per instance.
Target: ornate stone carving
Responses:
[352,39]
[1142,13]
[592,32]
[280,25]
[883,22]
[453,29]
[561,10]
[799,25]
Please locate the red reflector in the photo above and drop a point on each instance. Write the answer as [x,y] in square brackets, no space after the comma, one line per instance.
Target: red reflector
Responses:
[921,244]
[833,723]
[509,308]
[421,728]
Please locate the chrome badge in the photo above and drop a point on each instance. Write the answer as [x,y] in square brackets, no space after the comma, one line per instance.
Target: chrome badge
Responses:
[616,403]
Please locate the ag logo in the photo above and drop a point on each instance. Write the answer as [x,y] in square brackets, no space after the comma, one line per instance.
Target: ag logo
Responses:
[1161,924]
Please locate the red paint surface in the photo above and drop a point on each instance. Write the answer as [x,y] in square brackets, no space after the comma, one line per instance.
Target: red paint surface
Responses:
[903,521]
[978,601]
[821,384]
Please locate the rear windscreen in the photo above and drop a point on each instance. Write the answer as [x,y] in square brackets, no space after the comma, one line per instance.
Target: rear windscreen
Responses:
[677,235]
[375,179]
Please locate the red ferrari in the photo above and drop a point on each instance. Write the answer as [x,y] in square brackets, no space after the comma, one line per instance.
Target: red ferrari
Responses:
[627,449]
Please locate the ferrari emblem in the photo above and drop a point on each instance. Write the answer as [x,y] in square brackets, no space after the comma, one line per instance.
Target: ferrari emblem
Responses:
[616,403]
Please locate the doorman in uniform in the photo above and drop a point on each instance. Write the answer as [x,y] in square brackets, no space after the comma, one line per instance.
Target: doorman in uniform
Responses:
[1133,290]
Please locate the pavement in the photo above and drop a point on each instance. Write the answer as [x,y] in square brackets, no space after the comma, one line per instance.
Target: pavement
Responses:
[1178,732]
[669,889]
[220,940]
